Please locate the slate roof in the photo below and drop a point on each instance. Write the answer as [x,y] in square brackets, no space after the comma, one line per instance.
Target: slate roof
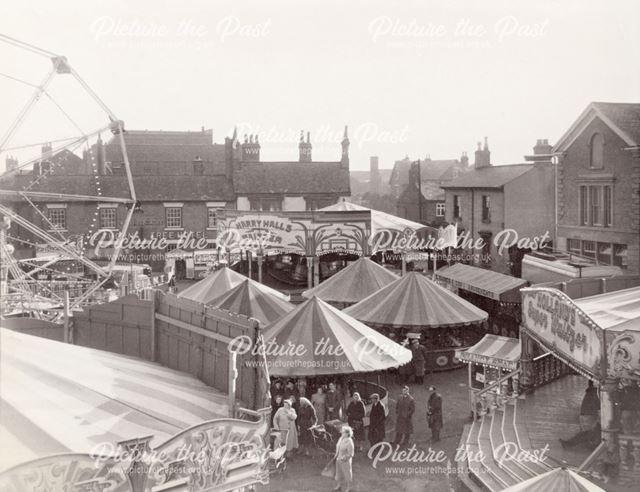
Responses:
[489,177]
[430,170]
[173,151]
[626,116]
[291,178]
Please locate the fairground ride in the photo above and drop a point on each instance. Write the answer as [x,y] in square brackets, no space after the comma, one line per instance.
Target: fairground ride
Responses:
[50,140]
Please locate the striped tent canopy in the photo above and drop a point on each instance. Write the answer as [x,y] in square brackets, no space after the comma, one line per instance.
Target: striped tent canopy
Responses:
[220,282]
[415,301]
[494,351]
[560,479]
[352,284]
[60,398]
[316,339]
[253,302]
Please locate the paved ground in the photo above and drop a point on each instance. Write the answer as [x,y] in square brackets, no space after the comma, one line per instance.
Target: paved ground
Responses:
[303,474]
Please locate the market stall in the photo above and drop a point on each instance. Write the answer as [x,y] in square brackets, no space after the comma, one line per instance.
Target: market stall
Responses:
[251,301]
[489,360]
[360,279]
[413,304]
[496,293]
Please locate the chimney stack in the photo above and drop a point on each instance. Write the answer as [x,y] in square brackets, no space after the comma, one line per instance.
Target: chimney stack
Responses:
[250,149]
[542,147]
[483,155]
[304,148]
[464,159]
[46,151]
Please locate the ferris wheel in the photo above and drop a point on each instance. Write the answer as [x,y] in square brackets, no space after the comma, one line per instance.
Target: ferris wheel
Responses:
[51,132]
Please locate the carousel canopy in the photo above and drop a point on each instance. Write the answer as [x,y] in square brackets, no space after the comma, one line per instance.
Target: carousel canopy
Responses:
[495,351]
[417,302]
[352,284]
[559,479]
[316,339]
[249,300]
[220,282]
[618,310]
[379,220]
[59,398]
[493,285]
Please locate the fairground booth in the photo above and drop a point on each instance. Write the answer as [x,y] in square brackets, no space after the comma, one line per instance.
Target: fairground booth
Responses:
[488,361]
[317,344]
[415,306]
[304,248]
[493,292]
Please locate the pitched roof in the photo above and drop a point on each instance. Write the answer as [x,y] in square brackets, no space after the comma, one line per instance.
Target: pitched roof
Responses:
[430,170]
[291,178]
[148,187]
[489,177]
[173,152]
[622,118]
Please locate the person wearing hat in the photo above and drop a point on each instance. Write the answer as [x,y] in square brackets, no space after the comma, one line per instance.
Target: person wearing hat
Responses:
[377,418]
[418,360]
[434,413]
[405,409]
[285,420]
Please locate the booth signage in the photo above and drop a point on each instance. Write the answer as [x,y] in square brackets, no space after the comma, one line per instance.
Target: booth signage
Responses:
[552,318]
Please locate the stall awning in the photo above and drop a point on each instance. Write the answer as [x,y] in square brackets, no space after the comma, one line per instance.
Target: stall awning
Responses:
[486,283]
[493,350]
[618,310]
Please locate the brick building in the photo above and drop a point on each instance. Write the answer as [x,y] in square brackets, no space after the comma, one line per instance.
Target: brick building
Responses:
[182,180]
[490,199]
[427,179]
[599,185]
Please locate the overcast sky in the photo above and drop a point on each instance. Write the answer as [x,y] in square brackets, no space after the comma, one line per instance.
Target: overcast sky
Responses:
[412,77]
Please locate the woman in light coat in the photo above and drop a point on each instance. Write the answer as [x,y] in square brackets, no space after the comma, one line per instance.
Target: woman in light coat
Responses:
[285,419]
[344,455]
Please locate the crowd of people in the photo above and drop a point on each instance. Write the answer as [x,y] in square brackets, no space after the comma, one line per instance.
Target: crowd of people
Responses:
[295,416]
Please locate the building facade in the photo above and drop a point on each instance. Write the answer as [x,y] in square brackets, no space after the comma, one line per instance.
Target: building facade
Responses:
[501,205]
[599,186]
[182,181]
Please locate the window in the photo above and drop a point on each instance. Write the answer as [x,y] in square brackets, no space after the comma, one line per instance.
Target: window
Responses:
[597,152]
[171,246]
[608,202]
[596,205]
[589,249]
[173,216]
[439,209]
[486,208]
[457,207]
[108,218]
[58,217]
[584,206]
[212,221]
[620,255]
[198,167]
[574,246]
[266,204]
